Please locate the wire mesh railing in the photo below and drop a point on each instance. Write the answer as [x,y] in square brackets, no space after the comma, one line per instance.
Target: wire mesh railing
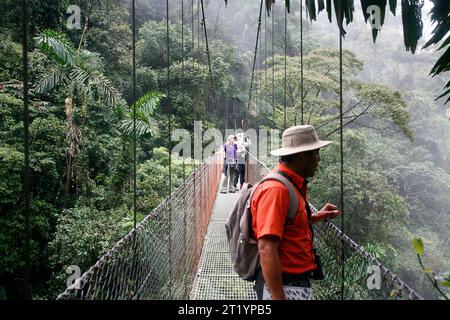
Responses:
[364,276]
[158,259]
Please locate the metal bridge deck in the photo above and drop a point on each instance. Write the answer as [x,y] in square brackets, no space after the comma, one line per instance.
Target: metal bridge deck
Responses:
[216,279]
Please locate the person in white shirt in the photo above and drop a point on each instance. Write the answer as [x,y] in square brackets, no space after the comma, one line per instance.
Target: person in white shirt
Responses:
[243,142]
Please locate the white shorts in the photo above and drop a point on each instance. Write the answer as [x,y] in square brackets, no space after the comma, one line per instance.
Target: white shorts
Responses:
[291,293]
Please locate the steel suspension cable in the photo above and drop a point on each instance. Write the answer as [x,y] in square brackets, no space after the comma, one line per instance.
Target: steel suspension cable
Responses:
[273,65]
[182,76]
[260,84]
[301,61]
[169,111]
[254,61]
[135,244]
[198,23]
[133,17]
[265,61]
[209,59]
[185,260]
[194,200]
[285,67]
[26,170]
[341,132]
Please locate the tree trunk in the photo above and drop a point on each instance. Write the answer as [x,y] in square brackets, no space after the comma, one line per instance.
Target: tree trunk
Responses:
[73,138]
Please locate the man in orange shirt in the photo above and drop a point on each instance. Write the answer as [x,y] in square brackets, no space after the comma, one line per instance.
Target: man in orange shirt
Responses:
[286,250]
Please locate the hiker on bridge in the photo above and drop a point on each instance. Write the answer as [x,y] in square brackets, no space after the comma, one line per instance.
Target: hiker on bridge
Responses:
[287,257]
[230,165]
[242,142]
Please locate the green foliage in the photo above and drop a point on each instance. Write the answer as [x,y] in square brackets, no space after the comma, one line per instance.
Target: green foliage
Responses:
[189,79]
[436,281]
[366,104]
[82,69]
[10,171]
[151,46]
[370,199]
[441,14]
[82,235]
[388,103]
[110,35]
[418,246]
[394,187]
[446,283]
[145,108]
[146,80]
[153,178]
[56,46]
[10,59]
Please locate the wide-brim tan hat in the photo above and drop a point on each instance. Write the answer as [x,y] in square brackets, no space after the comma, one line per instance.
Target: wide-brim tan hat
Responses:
[299,139]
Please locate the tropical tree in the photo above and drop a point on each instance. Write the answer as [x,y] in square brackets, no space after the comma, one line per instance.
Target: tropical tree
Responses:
[366,104]
[79,75]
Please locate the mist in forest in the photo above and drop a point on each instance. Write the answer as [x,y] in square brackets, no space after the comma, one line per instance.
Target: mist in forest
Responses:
[422,163]
[396,137]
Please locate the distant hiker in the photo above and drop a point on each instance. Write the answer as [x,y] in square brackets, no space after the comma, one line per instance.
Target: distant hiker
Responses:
[230,164]
[243,142]
[287,257]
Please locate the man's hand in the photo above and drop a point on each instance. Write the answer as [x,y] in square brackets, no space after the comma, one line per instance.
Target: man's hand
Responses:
[329,211]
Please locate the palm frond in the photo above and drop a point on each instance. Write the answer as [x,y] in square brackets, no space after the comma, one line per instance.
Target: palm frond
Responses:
[143,128]
[106,89]
[79,76]
[269,4]
[288,5]
[145,107]
[56,46]
[412,23]
[311,9]
[446,93]
[90,61]
[393,6]
[51,80]
[147,104]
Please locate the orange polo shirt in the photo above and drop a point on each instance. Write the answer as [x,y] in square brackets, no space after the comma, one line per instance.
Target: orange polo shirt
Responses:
[269,208]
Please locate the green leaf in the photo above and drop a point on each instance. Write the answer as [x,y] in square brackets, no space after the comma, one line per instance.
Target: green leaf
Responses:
[412,23]
[446,283]
[288,5]
[393,6]
[311,9]
[393,293]
[145,108]
[56,46]
[418,246]
[428,270]
[51,80]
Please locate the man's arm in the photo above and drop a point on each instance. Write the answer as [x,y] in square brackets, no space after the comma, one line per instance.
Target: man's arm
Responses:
[270,265]
[329,211]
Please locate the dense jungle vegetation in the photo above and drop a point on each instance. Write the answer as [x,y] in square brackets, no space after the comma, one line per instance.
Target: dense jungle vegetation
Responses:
[397,151]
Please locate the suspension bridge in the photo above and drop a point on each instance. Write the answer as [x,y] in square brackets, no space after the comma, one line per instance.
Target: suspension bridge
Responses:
[180,251]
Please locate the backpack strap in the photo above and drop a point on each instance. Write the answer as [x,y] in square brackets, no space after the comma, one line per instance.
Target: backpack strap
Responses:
[294,202]
[307,207]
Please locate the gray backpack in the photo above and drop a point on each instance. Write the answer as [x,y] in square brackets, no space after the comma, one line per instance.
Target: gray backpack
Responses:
[243,248]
